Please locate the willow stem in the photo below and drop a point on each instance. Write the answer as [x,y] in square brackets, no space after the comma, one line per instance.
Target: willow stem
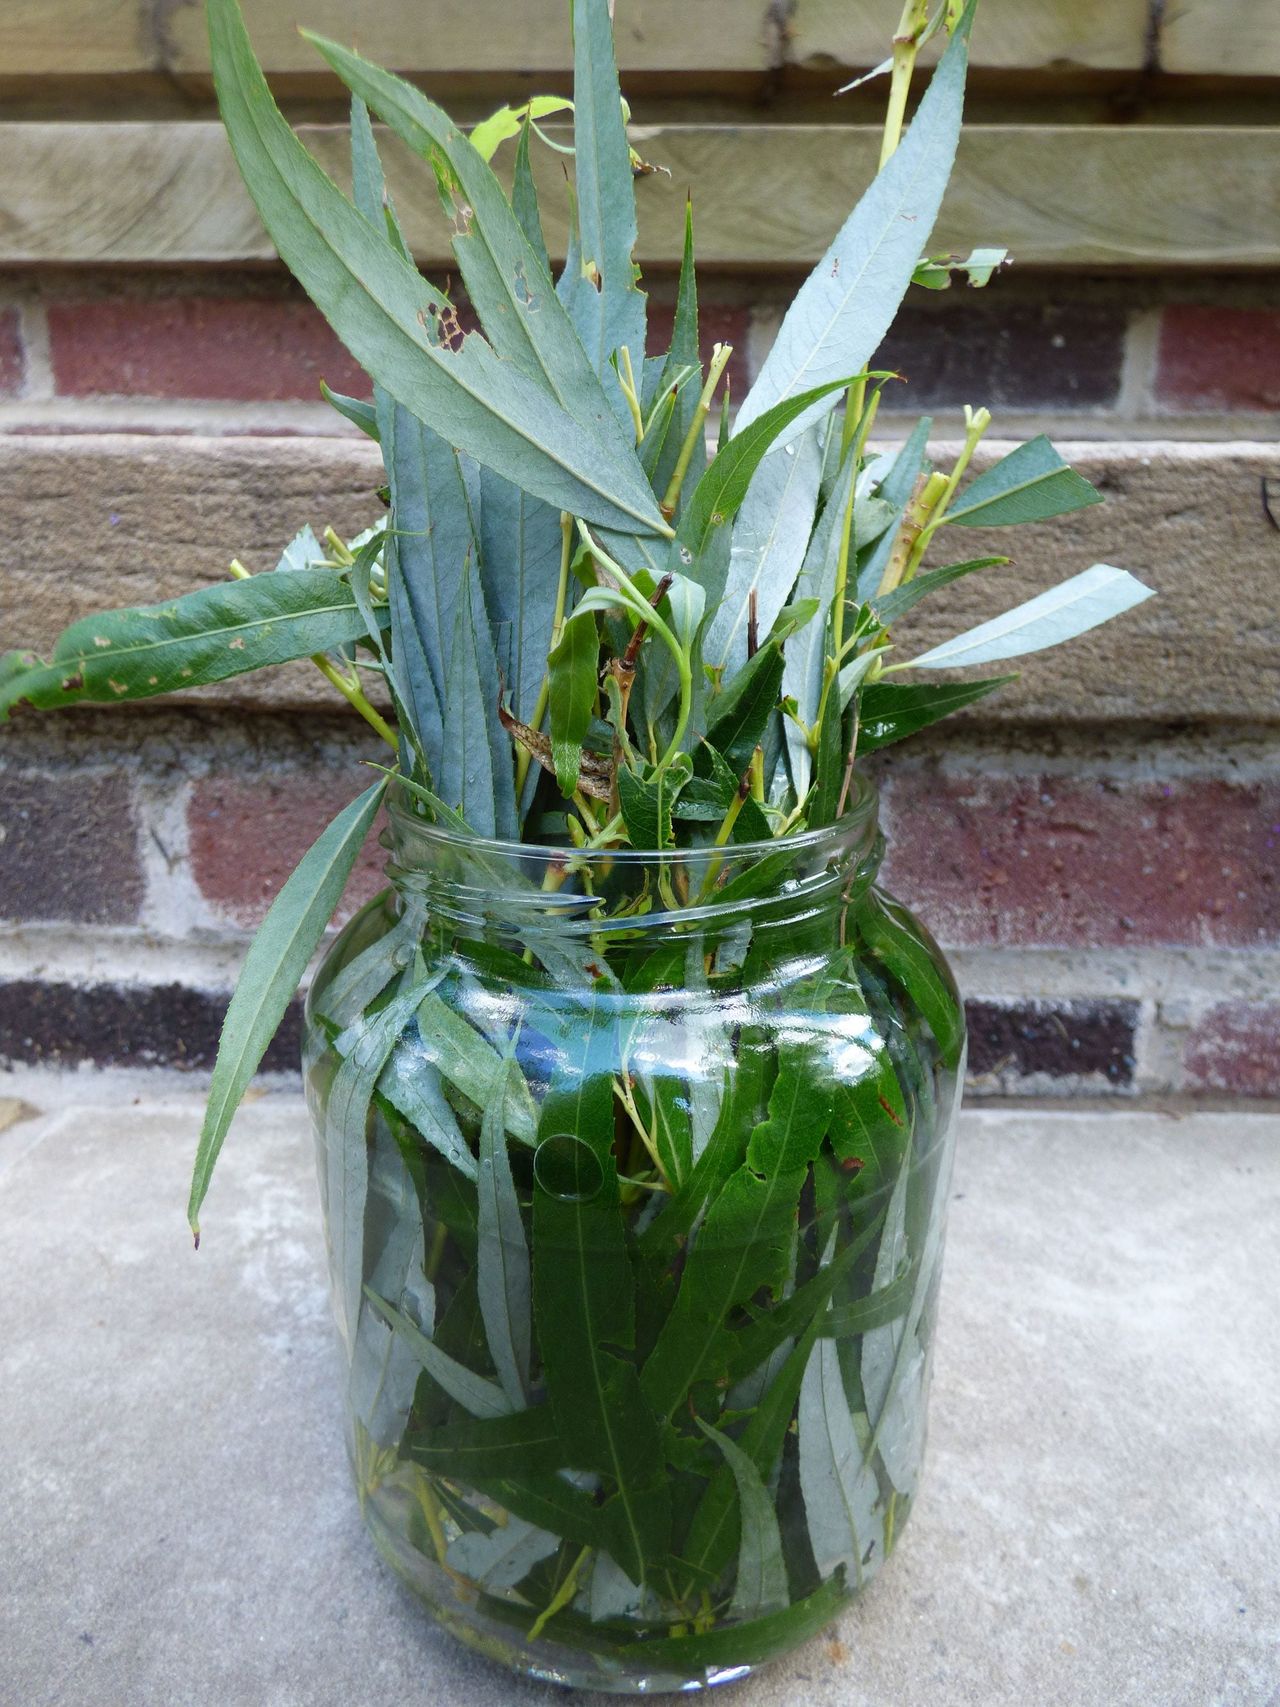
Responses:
[719,361]
[906,45]
[523,756]
[857,441]
[627,380]
[976,422]
[347,686]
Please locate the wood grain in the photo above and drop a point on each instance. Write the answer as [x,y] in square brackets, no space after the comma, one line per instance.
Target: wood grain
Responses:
[763,195]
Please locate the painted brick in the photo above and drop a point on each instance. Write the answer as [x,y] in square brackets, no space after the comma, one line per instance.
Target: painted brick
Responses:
[1236,1048]
[1077,862]
[221,348]
[69,849]
[1219,358]
[1017,355]
[121,1025]
[718,323]
[13,361]
[247,836]
[1055,1040]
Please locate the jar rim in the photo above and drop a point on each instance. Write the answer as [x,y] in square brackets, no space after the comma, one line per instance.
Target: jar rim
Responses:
[859,819]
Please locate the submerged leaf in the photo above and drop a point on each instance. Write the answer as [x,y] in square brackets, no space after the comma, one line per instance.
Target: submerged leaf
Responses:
[761,1582]
[502,1268]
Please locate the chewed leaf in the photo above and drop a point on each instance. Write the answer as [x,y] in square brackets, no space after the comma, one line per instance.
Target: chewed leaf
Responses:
[1064,611]
[503,1558]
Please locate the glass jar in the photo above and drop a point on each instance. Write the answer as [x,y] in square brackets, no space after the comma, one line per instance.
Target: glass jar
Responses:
[634,1170]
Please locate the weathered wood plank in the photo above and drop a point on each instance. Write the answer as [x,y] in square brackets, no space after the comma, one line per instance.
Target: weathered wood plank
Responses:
[73,37]
[1221,38]
[92,521]
[763,195]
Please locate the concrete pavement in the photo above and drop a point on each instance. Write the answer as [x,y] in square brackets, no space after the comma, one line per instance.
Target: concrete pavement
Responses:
[1100,1523]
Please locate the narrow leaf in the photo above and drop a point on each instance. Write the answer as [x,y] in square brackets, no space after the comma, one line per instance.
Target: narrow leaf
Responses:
[841,1493]
[387,314]
[205,636]
[761,1582]
[272,969]
[503,1260]
[890,713]
[572,698]
[1072,608]
[483,1398]
[892,605]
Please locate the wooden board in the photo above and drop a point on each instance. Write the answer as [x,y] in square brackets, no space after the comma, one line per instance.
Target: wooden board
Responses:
[96,520]
[1223,38]
[49,38]
[764,196]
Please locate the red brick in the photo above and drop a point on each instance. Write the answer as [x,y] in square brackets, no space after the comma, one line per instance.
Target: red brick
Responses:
[718,323]
[1219,358]
[13,363]
[1236,1048]
[1075,862]
[69,849]
[248,834]
[230,349]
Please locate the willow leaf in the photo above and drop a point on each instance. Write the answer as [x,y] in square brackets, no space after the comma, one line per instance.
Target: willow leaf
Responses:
[365,1047]
[600,291]
[489,1446]
[483,1398]
[890,712]
[761,1582]
[846,305]
[503,1261]
[520,546]
[840,1490]
[467,1060]
[1072,608]
[475,773]
[387,314]
[889,607]
[272,970]
[504,1558]
[572,694]
[205,636]
[1031,484]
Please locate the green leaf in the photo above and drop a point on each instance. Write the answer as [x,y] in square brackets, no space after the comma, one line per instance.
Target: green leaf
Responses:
[475,771]
[520,545]
[504,276]
[740,713]
[387,315]
[489,135]
[1031,484]
[571,704]
[769,539]
[761,1582]
[272,969]
[895,486]
[466,1060]
[610,314]
[830,764]
[503,1259]
[719,494]
[888,607]
[366,1048]
[647,804]
[752,1643]
[584,1307]
[935,272]
[524,198]
[205,636]
[890,712]
[411,1085]
[894,938]
[359,413]
[1069,609]
[840,1490]
[491,1445]
[848,302]
[483,1398]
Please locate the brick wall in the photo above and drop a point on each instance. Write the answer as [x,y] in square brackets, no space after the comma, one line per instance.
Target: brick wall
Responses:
[1107,887]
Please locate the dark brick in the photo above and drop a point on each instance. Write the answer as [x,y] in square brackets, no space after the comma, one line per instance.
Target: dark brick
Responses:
[1019,355]
[69,849]
[1060,1040]
[1219,358]
[234,349]
[248,834]
[1071,862]
[13,359]
[121,1025]
[1236,1048]
[718,323]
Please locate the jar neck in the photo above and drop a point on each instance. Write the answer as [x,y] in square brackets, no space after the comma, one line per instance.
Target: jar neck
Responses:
[558,901]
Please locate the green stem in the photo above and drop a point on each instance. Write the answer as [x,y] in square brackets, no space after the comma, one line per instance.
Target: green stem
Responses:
[719,361]
[627,380]
[906,45]
[561,1598]
[976,422]
[855,440]
[347,686]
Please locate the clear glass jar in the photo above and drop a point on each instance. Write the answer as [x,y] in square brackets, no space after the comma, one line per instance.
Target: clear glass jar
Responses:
[634,1170]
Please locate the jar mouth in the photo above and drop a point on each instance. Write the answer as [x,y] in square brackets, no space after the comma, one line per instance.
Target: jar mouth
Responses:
[853,831]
